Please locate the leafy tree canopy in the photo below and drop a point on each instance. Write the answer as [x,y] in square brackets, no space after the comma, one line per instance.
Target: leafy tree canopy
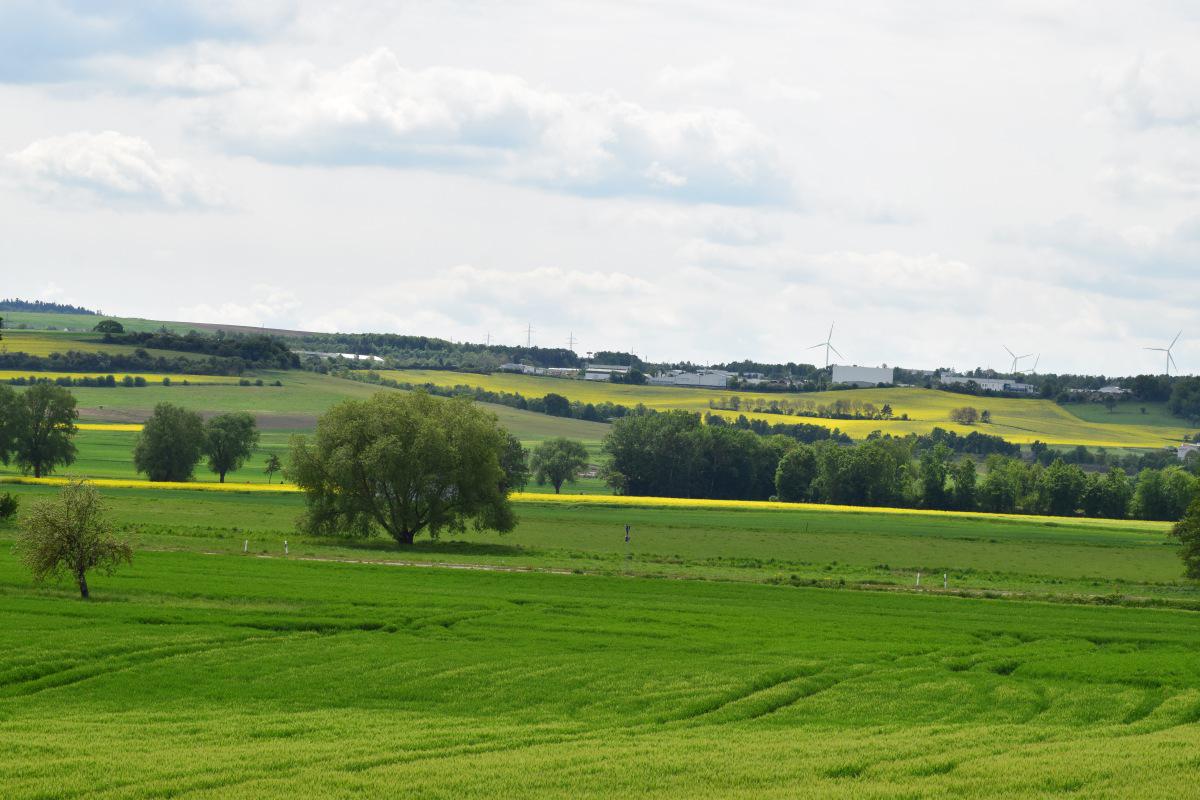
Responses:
[229,440]
[402,463]
[557,461]
[69,534]
[170,444]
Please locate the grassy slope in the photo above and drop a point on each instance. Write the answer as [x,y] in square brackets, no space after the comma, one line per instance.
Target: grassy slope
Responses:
[85,322]
[203,676]
[303,397]
[1018,420]
[43,343]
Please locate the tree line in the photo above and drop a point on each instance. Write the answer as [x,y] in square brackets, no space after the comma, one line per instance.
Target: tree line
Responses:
[250,350]
[672,454]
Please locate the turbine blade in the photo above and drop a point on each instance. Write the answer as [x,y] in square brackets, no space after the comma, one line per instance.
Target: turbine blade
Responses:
[834,349]
[1176,339]
[815,346]
[1156,349]
[1171,358]
[1010,352]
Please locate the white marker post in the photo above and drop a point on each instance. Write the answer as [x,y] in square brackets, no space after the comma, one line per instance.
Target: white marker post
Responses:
[246,546]
[945,581]
[918,580]
[285,547]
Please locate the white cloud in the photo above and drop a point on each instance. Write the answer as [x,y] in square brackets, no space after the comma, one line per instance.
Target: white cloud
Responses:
[46,40]
[267,306]
[108,169]
[1156,89]
[1142,184]
[709,75]
[376,111]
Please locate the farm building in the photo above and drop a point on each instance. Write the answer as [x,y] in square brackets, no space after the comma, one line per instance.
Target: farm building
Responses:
[603,372]
[863,376]
[704,377]
[988,384]
[1186,450]
[524,369]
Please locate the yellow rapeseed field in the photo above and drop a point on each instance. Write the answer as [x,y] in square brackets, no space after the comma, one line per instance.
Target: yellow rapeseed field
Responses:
[1017,420]
[132,427]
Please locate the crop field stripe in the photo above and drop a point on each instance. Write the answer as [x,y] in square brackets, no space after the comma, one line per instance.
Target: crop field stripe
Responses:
[1020,420]
[128,427]
[621,501]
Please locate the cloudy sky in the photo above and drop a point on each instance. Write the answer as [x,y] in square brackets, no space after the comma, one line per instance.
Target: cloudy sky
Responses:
[690,180]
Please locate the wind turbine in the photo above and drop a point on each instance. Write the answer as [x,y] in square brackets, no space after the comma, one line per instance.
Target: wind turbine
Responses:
[1167,350]
[1015,359]
[828,345]
[1035,363]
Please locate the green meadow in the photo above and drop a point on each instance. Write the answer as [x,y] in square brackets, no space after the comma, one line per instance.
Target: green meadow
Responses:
[1075,560]
[215,675]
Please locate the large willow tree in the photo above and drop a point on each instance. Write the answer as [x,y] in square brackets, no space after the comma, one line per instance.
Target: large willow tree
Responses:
[403,463]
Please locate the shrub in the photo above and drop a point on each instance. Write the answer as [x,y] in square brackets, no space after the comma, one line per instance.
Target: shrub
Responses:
[8,506]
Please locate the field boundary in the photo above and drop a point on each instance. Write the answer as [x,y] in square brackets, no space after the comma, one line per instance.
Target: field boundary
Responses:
[627,501]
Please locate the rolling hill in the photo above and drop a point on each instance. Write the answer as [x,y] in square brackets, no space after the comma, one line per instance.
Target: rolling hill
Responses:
[1018,420]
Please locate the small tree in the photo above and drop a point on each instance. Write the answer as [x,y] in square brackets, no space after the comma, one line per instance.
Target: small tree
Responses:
[170,444]
[109,326]
[985,417]
[69,534]
[932,472]
[795,474]
[964,474]
[8,506]
[229,440]
[556,405]
[1110,403]
[967,415]
[1187,531]
[41,424]
[9,412]
[273,465]
[514,461]
[558,460]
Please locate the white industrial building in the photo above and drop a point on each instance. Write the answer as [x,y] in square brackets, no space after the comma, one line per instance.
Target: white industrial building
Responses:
[603,372]
[718,378]
[989,384]
[863,376]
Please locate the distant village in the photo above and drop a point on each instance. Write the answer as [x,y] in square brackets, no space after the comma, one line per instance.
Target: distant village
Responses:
[851,376]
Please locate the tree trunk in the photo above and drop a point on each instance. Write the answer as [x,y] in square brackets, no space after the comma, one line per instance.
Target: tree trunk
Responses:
[405,537]
[37,470]
[83,588]
[222,474]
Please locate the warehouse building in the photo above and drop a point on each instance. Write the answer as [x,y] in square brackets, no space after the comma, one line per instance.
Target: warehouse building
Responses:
[863,376]
[717,378]
[989,384]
